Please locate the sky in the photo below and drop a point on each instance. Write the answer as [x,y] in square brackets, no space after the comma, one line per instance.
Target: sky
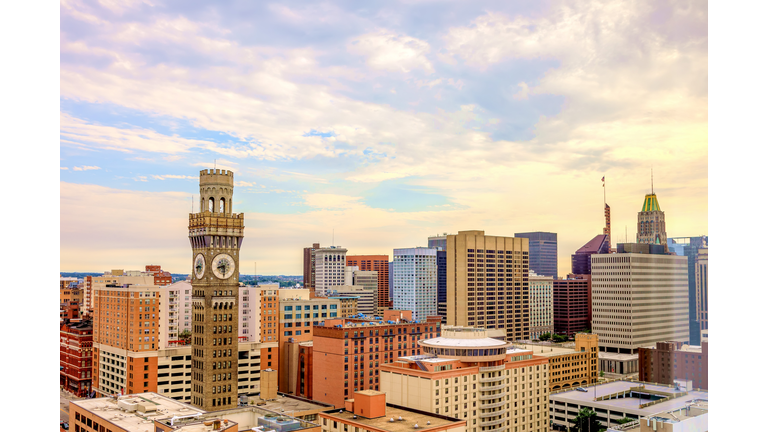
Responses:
[374,125]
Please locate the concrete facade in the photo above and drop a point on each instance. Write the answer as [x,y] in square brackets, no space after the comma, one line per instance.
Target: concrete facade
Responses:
[330,264]
[487,283]
[467,375]
[702,288]
[638,300]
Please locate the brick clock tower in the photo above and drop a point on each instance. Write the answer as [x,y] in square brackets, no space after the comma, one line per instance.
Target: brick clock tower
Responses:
[215,235]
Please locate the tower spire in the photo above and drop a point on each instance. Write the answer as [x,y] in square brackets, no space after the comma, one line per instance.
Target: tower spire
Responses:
[651,179]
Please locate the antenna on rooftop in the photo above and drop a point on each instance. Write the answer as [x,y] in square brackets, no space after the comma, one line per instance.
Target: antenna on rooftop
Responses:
[651,179]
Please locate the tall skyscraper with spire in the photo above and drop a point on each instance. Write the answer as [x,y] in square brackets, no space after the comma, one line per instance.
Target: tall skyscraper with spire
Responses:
[651,228]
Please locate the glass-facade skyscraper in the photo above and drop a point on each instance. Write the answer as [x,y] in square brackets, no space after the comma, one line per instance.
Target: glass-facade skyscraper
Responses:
[542,252]
[689,246]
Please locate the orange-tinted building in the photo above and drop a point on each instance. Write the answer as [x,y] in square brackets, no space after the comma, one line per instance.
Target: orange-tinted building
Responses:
[380,264]
[76,343]
[347,353]
[70,298]
[126,335]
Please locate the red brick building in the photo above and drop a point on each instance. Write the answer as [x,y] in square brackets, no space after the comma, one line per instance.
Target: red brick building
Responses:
[76,342]
[572,304]
[377,263]
[161,277]
[670,361]
[346,353]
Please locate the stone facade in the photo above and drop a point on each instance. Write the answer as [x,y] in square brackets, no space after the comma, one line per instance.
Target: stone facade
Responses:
[215,235]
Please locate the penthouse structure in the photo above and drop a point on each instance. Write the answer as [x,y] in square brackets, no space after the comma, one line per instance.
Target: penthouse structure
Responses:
[347,353]
[369,411]
[639,299]
[468,375]
[379,264]
[487,283]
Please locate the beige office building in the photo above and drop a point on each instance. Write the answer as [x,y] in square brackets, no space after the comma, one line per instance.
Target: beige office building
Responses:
[466,374]
[487,283]
[638,300]
[574,365]
[542,308]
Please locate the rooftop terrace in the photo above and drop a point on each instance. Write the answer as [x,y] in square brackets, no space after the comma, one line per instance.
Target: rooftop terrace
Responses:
[396,419]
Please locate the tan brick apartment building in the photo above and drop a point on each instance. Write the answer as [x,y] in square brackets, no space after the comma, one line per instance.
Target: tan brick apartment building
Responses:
[570,367]
[488,283]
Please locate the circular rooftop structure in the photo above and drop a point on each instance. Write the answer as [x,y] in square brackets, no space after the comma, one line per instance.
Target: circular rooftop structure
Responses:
[466,344]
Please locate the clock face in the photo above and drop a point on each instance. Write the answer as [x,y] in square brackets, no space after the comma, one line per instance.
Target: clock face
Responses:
[223,266]
[199,266]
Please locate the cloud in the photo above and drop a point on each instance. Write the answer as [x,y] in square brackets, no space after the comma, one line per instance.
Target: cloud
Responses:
[174,176]
[388,51]
[85,168]
[63,168]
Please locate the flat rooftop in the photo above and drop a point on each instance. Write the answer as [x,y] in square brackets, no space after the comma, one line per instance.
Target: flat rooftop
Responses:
[409,418]
[291,406]
[546,350]
[628,405]
[107,409]
[428,359]
[616,356]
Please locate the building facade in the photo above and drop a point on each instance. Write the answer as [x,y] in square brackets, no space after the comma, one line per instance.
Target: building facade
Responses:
[75,351]
[572,307]
[467,375]
[667,362]
[689,247]
[330,264]
[442,284]
[581,261]
[702,289]
[309,267]
[651,227]
[542,252]
[379,264]
[488,283]
[639,299]
[542,306]
[216,235]
[415,281]
[347,353]
[570,367]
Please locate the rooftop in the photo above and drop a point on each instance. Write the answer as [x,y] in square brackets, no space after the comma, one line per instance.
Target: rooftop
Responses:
[546,350]
[107,408]
[292,405]
[630,404]
[396,419]
[456,342]
[616,356]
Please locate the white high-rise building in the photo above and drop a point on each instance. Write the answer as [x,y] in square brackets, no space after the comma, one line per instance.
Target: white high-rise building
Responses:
[414,285]
[330,266]
[175,318]
[639,299]
[542,313]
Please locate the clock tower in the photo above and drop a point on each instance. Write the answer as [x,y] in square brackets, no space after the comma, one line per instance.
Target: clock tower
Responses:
[215,235]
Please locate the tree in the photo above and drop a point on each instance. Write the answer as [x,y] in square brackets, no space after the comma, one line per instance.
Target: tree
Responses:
[545,337]
[559,338]
[586,421]
[602,374]
[185,335]
[624,420]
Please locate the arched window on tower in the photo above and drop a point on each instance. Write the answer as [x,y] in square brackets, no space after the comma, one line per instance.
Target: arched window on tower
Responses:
[210,204]
[222,205]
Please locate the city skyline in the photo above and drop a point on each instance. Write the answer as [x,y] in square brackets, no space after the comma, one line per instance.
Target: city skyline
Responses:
[374,129]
